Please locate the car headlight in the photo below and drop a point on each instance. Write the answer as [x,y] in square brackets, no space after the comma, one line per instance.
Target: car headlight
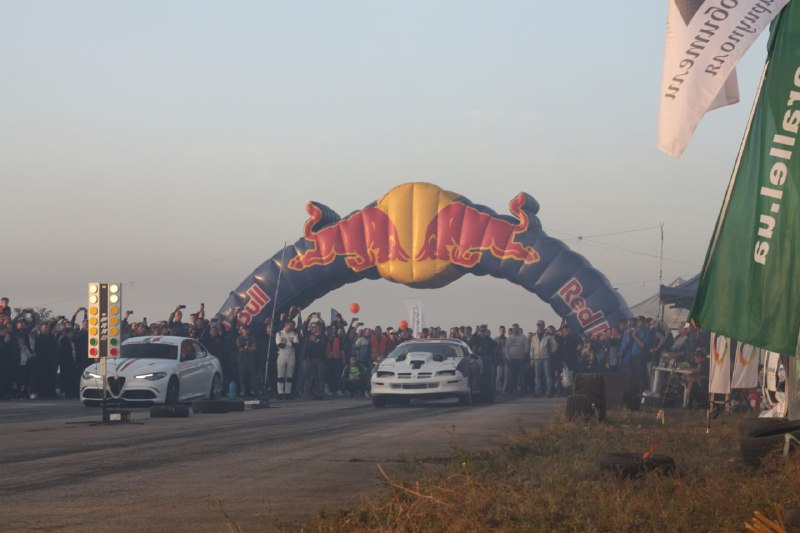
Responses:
[90,375]
[153,376]
[385,374]
[446,373]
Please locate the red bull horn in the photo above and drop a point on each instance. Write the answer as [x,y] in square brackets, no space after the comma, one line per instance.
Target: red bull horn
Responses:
[365,238]
[460,234]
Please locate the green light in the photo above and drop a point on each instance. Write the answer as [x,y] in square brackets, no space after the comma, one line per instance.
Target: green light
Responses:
[93,342]
[113,342]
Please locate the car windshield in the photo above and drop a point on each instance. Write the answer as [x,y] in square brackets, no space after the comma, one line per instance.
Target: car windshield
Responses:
[435,348]
[146,350]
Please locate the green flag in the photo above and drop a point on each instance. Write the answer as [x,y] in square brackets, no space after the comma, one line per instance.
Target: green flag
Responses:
[750,284]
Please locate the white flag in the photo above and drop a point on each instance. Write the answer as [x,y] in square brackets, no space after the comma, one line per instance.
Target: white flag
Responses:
[704,41]
[416,315]
[720,371]
[745,367]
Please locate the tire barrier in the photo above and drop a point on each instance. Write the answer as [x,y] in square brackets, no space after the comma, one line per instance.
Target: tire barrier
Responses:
[632,465]
[210,406]
[170,411]
[592,385]
[760,442]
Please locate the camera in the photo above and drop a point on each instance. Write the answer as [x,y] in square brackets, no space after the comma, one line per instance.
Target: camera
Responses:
[181,307]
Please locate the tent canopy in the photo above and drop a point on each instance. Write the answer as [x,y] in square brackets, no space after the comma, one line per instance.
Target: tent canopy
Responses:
[680,295]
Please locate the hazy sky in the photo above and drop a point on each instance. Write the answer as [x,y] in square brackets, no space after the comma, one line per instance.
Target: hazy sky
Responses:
[173,146]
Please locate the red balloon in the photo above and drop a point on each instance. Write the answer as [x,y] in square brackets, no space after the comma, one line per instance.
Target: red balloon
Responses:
[403,325]
[355,308]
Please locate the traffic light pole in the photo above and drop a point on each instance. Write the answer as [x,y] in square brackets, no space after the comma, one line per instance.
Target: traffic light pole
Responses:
[104,378]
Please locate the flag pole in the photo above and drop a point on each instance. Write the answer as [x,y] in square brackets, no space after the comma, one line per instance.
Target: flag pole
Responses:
[661,275]
[272,319]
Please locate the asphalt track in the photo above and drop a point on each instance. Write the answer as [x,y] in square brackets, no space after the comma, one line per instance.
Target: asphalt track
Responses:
[261,469]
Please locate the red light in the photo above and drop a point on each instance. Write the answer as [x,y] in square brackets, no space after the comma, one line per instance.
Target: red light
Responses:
[93,351]
[113,351]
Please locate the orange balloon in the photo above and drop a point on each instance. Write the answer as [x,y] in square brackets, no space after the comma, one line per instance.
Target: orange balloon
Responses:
[355,308]
[403,325]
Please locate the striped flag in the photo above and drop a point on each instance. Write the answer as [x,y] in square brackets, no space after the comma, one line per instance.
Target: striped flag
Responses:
[720,371]
[704,41]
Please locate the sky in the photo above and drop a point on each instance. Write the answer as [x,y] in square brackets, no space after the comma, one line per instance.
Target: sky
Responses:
[172,146]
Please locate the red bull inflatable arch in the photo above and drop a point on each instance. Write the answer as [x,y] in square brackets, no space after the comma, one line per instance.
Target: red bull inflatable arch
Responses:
[422,236]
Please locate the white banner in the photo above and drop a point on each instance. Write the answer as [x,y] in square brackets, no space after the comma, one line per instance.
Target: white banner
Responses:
[720,371]
[745,367]
[704,41]
[416,315]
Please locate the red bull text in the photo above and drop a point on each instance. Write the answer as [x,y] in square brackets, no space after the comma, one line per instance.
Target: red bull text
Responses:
[254,305]
[365,238]
[571,293]
[460,234]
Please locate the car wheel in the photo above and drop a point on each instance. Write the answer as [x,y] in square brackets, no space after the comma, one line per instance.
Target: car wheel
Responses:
[173,391]
[216,388]
[379,401]
[466,399]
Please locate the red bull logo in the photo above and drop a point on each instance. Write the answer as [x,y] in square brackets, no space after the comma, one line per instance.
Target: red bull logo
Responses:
[571,293]
[365,238]
[461,234]
[255,304]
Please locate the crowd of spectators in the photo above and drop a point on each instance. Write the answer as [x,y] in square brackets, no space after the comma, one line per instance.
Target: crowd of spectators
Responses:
[307,357]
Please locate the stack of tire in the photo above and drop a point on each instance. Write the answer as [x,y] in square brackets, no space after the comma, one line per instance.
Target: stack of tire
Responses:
[588,399]
[759,437]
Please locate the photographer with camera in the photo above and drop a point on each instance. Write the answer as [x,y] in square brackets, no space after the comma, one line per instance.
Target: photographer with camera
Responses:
[175,323]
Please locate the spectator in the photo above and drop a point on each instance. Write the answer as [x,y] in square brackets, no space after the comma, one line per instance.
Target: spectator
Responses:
[246,363]
[543,347]
[517,348]
[500,359]
[175,324]
[4,306]
[353,377]
[313,350]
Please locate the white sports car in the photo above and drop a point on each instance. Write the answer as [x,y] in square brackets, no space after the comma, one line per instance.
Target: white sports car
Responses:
[433,369]
[155,370]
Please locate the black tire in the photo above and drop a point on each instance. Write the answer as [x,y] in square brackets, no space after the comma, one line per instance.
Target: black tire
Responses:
[631,465]
[760,442]
[578,407]
[379,401]
[593,386]
[170,411]
[748,425]
[173,391]
[210,406]
[465,399]
[235,405]
[216,388]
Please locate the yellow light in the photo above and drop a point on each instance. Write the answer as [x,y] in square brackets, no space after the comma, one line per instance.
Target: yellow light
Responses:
[92,331]
[114,331]
[93,299]
[93,321]
[93,288]
[113,289]
[114,320]
[113,298]
[93,311]
[115,310]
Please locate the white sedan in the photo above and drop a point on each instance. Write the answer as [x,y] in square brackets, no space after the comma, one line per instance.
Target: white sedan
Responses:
[155,370]
[433,369]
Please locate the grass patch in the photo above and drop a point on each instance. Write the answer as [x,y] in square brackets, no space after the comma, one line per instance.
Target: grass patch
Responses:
[548,479]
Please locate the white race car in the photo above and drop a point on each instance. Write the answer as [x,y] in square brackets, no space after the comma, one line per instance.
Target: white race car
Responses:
[433,369]
[155,370]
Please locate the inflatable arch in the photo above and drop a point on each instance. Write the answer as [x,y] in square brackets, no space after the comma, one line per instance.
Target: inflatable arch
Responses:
[422,236]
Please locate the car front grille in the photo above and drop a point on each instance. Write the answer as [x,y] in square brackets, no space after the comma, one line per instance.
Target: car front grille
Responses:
[415,386]
[115,385]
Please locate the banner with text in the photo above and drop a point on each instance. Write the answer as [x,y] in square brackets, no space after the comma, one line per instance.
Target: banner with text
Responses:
[749,286]
[704,41]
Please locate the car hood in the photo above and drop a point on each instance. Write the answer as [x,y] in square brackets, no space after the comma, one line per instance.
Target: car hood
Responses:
[134,367]
[419,361]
